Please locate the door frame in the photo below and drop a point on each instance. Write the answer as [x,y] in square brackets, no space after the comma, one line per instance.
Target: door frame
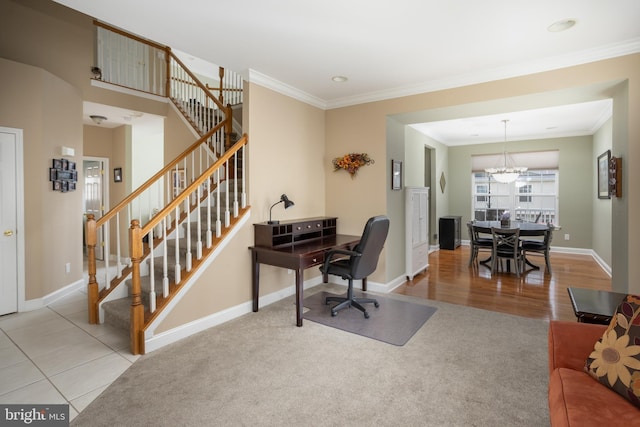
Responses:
[20,235]
[105,187]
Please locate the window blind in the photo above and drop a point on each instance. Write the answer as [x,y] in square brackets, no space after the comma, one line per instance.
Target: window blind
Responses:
[533,160]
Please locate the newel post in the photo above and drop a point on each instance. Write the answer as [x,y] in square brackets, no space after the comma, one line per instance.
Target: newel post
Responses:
[137,309]
[92,285]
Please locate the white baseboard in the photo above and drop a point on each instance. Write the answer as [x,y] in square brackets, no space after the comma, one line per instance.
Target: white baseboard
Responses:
[38,303]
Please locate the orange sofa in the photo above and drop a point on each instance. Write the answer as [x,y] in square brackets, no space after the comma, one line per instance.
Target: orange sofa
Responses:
[575,398]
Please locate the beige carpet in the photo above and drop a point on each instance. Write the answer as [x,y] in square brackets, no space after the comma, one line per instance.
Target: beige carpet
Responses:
[464,367]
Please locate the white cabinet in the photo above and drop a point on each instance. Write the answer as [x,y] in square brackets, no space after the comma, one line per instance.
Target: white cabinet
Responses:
[417,229]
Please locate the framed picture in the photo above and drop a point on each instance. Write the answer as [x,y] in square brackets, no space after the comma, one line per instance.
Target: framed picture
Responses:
[53,174]
[178,181]
[57,186]
[603,175]
[57,163]
[72,165]
[117,175]
[396,175]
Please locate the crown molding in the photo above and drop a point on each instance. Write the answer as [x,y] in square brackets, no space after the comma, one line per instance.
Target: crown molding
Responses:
[628,47]
[283,88]
[614,50]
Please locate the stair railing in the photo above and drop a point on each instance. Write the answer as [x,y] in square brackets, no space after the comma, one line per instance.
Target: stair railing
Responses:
[111,229]
[130,61]
[150,238]
[172,198]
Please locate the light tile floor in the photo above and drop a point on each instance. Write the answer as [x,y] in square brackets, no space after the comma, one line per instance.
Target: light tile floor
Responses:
[53,355]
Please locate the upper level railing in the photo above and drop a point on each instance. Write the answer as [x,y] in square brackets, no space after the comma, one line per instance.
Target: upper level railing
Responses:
[133,62]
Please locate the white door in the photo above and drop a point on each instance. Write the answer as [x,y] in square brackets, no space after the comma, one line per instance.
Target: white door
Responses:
[94,196]
[9,220]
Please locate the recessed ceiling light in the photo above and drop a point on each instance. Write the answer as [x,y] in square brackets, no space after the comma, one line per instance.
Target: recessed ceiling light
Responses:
[339,79]
[558,26]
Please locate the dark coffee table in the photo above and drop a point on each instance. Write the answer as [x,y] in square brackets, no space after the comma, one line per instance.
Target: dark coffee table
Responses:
[592,306]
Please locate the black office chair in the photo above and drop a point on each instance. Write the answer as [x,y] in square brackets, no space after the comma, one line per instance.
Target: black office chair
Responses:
[361,262]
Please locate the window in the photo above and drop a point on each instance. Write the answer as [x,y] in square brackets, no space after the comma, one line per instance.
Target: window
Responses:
[524,189]
[532,197]
[482,189]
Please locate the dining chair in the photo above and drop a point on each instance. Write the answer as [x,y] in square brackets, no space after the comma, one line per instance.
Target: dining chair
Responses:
[539,247]
[506,244]
[477,243]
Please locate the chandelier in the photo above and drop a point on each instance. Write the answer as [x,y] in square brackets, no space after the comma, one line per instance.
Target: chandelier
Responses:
[508,172]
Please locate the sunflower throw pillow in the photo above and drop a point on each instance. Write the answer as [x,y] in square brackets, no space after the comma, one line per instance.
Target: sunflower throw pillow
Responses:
[615,360]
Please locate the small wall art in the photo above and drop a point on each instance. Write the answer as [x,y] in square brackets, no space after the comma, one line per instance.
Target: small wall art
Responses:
[117,175]
[63,175]
[603,175]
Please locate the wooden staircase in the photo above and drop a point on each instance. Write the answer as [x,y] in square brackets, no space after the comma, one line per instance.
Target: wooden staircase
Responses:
[116,312]
[160,234]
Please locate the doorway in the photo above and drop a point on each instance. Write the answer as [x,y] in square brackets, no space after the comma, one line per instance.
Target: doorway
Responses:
[11,220]
[95,195]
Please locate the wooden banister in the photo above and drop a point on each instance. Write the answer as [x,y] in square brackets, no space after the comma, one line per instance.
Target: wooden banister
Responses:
[213,121]
[127,200]
[192,187]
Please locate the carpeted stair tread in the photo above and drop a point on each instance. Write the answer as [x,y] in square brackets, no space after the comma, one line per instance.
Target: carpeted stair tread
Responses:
[117,313]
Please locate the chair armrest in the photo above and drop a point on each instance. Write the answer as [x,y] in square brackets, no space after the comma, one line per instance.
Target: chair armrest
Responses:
[328,256]
[570,343]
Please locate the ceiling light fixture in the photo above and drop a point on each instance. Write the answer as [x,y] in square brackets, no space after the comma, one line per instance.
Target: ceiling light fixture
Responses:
[507,172]
[98,119]
[563,25]
[339,79]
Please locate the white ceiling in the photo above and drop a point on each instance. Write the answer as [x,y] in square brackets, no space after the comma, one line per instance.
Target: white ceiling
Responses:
[541,123]
[385,48]
[119,116]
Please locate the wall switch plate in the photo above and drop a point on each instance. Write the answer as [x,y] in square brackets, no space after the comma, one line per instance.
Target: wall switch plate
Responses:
[67,268]
[566,236]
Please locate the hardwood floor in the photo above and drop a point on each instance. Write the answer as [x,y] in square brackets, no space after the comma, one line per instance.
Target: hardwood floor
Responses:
[535,294]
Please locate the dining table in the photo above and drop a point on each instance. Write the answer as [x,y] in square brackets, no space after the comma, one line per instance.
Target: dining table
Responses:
[527,229]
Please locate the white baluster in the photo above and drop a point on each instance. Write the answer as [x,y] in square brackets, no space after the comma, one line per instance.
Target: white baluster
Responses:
[152,282]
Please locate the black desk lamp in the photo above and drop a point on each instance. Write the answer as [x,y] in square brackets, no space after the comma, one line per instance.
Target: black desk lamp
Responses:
[287,204]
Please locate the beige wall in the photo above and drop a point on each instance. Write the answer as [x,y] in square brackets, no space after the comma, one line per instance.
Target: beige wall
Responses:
[352,128]
[60,40]
[49,111]
[285,155]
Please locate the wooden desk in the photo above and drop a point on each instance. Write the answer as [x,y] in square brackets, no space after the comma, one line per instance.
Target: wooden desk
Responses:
[593,306]
[296,245]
